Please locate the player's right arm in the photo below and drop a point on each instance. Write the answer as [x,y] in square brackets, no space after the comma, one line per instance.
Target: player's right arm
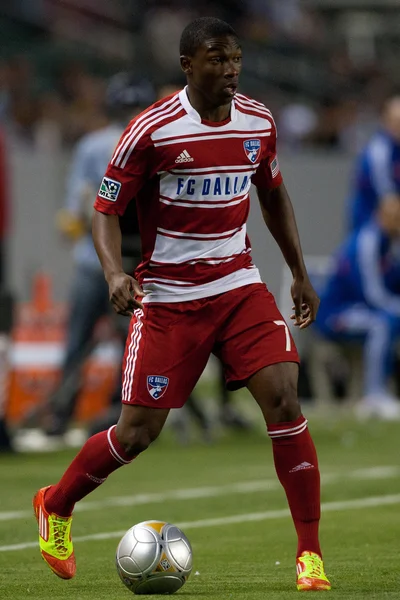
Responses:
[124,290]
[125,175]
[380,166]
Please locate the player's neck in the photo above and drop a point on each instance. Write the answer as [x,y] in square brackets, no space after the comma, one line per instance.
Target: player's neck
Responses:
[208,112]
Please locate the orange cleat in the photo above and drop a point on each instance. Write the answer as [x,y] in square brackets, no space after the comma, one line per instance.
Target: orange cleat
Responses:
[310,573]
[54,538]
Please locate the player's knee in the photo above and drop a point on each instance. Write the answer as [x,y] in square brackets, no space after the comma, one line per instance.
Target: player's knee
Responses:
[135,439]
[285,402]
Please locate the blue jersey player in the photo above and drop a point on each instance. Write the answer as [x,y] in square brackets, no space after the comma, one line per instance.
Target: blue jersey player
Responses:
[361,301]
[377,175]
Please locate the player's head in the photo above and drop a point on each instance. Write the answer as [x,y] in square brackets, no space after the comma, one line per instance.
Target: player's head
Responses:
[126,96]
[211,59]
[391,117]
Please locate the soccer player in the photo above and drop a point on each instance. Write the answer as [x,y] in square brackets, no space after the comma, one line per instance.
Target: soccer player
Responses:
[189,161]
[125,97]
[361,302]
[377,173]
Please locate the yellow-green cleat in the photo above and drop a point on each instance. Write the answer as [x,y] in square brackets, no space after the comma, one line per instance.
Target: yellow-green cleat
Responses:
[310,573]
[54,538]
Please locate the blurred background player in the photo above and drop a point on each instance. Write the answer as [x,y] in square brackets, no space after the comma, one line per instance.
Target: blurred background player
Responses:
[361,302]
[88,299]
[375,184]
[377,173]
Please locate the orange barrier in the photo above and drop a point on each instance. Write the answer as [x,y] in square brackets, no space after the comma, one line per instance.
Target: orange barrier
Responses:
[37,348]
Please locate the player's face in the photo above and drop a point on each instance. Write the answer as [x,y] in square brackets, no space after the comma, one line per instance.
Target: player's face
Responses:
[214,69]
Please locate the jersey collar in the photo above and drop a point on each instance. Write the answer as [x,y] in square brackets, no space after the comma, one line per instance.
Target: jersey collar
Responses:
[192,112]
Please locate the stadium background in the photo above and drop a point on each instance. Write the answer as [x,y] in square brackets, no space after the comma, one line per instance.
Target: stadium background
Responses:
[324,68]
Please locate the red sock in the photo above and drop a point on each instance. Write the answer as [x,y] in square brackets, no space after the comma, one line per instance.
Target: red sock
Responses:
[296,465]
[101,455]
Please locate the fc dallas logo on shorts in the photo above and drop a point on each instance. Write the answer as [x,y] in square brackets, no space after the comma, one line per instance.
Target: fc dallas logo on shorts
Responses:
[252,149]
[157,386]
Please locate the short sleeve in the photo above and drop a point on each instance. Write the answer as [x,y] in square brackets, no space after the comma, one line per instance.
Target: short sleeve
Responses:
[268,175]
[126,174]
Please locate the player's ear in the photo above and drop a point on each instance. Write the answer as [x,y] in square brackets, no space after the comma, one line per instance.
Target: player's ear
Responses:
[186,65]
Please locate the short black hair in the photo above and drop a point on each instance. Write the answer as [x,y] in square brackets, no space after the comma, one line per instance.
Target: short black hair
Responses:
[200,30]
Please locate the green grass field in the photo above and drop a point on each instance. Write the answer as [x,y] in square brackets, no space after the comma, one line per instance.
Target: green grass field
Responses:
[227,499]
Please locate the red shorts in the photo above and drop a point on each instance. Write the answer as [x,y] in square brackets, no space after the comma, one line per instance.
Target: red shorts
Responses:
[168,345]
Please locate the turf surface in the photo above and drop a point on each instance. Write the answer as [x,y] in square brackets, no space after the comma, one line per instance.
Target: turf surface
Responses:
[247,559]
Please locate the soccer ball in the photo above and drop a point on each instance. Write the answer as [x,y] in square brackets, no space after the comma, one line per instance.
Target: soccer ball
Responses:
[154,557]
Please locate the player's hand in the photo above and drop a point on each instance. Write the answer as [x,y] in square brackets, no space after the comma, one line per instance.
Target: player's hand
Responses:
[306,302]
[70,225]
[125,294]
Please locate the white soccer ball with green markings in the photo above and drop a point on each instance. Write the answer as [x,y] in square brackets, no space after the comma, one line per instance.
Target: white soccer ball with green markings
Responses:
[154,557]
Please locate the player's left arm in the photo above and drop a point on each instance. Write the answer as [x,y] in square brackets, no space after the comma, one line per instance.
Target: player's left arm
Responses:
[279,217]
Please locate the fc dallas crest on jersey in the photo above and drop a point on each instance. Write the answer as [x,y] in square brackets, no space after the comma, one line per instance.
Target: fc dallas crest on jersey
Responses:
[252,149]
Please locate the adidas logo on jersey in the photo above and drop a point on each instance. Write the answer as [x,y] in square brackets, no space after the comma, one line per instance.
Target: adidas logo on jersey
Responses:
[184,157]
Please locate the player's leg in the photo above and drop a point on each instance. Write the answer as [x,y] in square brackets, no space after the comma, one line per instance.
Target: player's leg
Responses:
[164,357]
[378,331]
[101,455]
[200,416]
[88,303]
[111,414]
[230,416]
[379,354]
[104,453]
[257,350]
[296,463]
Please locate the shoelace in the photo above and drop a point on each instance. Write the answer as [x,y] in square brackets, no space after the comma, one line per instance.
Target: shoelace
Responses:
[61,530]
[313,565]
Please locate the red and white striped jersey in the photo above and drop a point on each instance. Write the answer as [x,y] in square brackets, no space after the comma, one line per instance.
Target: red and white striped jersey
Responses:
[191,181]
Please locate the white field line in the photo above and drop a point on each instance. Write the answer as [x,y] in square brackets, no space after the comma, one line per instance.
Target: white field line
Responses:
[368,502]
[244,487]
